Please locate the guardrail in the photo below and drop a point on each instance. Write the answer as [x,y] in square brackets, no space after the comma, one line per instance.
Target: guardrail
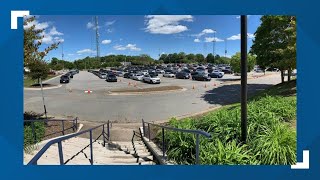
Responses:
[106,137]
[74,126]
[196,132]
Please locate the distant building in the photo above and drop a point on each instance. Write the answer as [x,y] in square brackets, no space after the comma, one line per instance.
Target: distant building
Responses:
[126,63]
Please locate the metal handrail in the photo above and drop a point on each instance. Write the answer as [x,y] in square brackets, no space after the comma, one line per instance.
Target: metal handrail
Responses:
[35,159]
[191,131]
[74,127]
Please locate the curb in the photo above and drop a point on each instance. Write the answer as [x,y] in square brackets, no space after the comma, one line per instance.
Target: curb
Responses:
[47,88]
[51,79]
[143,93]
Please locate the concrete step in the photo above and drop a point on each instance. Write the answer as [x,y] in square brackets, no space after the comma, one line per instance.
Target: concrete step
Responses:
[75,154]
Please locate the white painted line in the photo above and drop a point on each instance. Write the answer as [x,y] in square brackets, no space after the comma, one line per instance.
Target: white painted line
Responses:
[304,164]
[14,17]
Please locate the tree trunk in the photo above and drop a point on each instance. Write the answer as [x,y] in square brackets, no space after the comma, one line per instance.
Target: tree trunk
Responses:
[282,77]
[38,80]
[289,74]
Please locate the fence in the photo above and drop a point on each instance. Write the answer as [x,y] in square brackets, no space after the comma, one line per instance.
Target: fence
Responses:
[196,132]
[105,135]
[74,127]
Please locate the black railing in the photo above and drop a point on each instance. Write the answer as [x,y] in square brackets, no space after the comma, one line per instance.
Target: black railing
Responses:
[196,132]
[74,127]
[106,137]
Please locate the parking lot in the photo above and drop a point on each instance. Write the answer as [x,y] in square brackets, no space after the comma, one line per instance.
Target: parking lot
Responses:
[100,105]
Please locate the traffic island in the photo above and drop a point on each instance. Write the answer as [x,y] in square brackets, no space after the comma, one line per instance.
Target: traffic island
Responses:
[160,89]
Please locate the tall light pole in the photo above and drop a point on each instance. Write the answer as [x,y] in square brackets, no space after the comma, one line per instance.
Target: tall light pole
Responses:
[244,78]
[214,44]
[225,48]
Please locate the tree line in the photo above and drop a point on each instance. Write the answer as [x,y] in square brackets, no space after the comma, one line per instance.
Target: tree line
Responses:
[274,45]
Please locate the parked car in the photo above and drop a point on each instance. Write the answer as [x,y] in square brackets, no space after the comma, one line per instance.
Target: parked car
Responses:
[64,79]
[138,76]
[182,75]
[119,74]
[218,71]
[151,79]
[70,75]
[111,78]
[168,74]
[216,74]
[103,75]
[126,75]
[201,77]
[160,71]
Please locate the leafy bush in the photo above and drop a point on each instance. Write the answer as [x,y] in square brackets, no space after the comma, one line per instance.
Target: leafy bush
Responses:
[39,128]
[270,139]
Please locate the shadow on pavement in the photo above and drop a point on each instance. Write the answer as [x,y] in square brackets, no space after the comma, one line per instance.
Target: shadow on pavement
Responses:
[229,94]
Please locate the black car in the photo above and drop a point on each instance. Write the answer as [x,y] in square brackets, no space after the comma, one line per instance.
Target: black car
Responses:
[216,75]
[64,79]
[126,75]
[111,78]
[201,77]
[69,74]
[182,75]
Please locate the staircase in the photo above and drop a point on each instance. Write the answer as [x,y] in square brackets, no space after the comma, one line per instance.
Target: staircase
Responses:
[114,153]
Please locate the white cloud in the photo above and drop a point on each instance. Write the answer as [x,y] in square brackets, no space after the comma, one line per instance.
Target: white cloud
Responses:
[238,17]
[109,23]
[58,39]
[203,32]
[211,39]
[131,47]
[70,54]
[119,47]
[166,24]
[106,41]
[238,37]
[37,24]
[196,40]
[83,51]
[53,31]
[90,25]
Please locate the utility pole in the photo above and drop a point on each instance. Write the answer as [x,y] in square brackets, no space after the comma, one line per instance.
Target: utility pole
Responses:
[97,37]
[214,44]
[62,55]
[225,48]
[244,78]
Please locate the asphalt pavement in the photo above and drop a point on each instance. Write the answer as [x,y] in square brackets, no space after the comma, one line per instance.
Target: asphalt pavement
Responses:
[99,106]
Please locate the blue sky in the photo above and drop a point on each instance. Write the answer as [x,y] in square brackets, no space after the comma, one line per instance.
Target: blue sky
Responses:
[134,35]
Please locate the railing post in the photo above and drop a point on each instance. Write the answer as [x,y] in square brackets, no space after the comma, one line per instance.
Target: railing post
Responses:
[76,123]
[149,131]
[60,153]
[197,148]
[163,148]
[103,135]
[144,129]
[73,127]
[33,132]
[91,151]
[62,127]
[108,130]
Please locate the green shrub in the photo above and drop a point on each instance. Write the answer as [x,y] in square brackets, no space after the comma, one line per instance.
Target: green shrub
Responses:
[39,128]
[270,139]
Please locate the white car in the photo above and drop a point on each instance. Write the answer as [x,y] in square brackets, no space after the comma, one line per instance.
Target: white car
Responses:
[217,71]
[151,79]
[138,77]
[168,74]
[159,71]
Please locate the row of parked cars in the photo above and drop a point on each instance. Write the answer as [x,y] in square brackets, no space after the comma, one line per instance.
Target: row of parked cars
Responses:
[66,77]
[109,76]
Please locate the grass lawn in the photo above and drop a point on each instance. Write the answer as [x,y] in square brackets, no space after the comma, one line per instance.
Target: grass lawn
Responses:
[27,82]
[271,132]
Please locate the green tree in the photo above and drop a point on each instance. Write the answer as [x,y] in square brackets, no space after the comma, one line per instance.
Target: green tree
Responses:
[38,69]
[210,58]
[235,62]
[32,42]
[275,43]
